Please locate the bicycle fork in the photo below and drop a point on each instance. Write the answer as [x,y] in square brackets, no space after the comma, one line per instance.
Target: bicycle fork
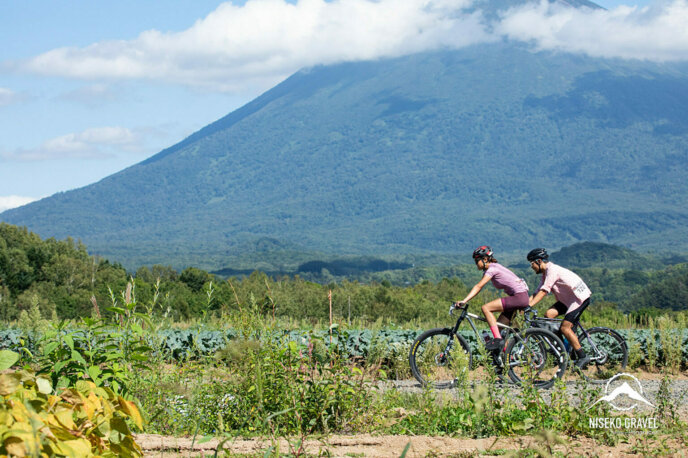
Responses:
[450,342]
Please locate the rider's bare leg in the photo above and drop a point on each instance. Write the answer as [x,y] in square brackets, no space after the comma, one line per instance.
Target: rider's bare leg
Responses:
[567,329]
[488,311]
[552,313]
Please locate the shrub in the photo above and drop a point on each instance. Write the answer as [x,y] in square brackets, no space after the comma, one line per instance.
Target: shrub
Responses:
[80,421]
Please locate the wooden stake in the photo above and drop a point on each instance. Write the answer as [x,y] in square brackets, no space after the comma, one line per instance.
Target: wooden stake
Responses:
[329,296]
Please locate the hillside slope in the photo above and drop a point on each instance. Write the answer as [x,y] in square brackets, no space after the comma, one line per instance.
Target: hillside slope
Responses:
[434,152]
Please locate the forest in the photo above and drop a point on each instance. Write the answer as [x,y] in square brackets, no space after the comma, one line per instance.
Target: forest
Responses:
[61,280]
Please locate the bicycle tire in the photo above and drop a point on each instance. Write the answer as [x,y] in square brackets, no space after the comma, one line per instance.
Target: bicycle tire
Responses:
[537,355]
[429,363]
[614,355]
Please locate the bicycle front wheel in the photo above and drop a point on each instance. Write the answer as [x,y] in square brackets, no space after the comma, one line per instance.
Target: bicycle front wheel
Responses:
[607,351]
[439,358]
[536,356]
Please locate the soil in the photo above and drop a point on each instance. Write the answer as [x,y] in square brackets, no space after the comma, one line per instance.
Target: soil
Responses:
[393,446]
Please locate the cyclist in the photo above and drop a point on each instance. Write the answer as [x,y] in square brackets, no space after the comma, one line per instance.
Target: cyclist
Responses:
[572,294]
[504,279]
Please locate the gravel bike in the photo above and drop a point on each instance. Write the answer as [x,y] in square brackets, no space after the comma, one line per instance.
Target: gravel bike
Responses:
[440,357]
[606,348]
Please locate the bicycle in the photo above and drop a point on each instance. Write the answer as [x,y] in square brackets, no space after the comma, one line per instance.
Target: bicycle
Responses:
[606,348]
[536,354]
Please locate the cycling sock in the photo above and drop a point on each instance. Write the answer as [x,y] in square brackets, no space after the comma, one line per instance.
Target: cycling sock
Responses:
[495,332]
[580,352]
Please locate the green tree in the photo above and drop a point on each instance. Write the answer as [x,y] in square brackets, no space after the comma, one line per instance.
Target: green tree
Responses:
[195,278]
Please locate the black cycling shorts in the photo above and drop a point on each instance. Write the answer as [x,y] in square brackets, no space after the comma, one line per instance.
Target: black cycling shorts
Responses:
[571,317]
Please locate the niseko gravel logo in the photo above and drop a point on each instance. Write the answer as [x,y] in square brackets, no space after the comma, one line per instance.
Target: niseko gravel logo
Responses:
[624,393]
[622,396]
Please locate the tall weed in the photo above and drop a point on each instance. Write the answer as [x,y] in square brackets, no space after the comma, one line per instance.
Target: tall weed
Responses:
[671,339]
[651,345]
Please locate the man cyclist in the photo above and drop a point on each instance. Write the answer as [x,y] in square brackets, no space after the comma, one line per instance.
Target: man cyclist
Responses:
[504,279]
[571,292]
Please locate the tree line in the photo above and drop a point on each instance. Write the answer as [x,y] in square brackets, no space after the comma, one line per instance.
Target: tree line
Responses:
[62,281]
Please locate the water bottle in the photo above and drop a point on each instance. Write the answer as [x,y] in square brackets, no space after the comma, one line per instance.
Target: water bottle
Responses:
[487,335]
[567,345]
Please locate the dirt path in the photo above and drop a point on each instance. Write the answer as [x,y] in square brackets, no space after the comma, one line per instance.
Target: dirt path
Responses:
[393,446]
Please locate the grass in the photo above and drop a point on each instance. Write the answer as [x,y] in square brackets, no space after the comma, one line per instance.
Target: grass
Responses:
[271,387]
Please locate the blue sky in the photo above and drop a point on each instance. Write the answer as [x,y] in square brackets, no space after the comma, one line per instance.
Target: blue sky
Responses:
[90,88]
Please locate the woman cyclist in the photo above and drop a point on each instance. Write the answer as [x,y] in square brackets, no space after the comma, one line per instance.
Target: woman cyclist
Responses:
[572,294]
[504,279]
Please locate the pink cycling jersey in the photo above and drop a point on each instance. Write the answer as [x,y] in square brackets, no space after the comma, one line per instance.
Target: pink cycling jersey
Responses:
[503,278]
[568,288]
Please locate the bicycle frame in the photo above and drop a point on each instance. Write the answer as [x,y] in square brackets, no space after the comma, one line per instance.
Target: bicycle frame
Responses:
[466,315]
[578,326]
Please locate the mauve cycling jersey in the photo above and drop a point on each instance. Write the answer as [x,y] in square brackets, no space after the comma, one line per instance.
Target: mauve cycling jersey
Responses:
[503,278]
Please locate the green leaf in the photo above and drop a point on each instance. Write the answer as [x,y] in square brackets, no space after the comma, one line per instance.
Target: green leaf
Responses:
[63,382]
[104,428]
[44,385]
[146,319]
[50,347]
[83,387]
[76,356]
[406,449]
[59,365]
[94,372]
[137,328]
[8,358]
[138,357]
[69,341]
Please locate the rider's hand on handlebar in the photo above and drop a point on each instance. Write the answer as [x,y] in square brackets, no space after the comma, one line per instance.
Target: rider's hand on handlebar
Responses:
[455,305]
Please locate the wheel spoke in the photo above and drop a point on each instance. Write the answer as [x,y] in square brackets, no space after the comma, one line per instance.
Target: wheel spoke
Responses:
[538,357]
[608,353]
[437,360]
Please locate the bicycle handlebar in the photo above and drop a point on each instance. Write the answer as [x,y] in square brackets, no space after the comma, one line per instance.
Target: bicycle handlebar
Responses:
[453,307]
[530,313]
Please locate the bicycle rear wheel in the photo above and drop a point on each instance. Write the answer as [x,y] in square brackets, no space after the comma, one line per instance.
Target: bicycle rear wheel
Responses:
[439,358]
[537,356]
[608,353]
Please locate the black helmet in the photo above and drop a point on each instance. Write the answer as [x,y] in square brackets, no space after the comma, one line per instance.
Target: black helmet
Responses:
[537,253]
[482,252]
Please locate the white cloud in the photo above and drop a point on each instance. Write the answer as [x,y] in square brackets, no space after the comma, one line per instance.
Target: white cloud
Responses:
[250,47]
[91,143]
[658,32]
[265,40]
[7,202]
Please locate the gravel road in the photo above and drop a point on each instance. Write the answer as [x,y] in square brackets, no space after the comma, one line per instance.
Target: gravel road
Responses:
[649,389]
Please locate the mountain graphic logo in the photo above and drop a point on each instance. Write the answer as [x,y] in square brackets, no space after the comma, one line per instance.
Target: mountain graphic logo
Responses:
[623,397]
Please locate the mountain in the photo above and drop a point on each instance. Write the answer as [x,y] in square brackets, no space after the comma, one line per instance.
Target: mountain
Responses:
[435,152]
[595,254]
